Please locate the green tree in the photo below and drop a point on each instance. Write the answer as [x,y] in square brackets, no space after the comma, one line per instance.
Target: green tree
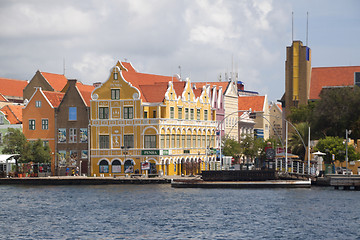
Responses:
[253,147]
[338,110]
[304,113]
[336,146]
[231,148]
[39,152]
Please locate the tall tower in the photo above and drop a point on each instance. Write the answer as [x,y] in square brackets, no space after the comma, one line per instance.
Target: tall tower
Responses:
[297,76]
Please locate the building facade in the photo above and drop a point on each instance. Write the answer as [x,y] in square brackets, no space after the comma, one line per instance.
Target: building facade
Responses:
[72,122]
[149,124]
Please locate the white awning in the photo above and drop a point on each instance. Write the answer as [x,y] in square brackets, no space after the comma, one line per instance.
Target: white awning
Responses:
[10,157]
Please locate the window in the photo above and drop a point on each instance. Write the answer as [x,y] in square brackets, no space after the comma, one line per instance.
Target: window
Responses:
[62,135]
[150,141]
[357,79]
[192,114]
[72,135]
[167,141]
[104,141]
[162,141]
[103,166]
[145,114]
[199,141]
[38,104]
[189,97]
[103,113]
[188,144]
[205,115]
[179,113]
[154,114]
[129,141]
[115,76]
[203,142]
[83,135]
[183,141]
[44,124]
[173,141]
[194,141]
[178,141]
[116,166]
[186,113]
[72,114]
[31,124]
[128,113]
[171,112]
[198,114]
[115,94]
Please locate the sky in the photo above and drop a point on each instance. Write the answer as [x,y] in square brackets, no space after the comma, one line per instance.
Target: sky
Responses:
[199,39]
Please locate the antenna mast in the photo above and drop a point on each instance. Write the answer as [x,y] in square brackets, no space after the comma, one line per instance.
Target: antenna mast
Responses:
[307,28]
[292,26]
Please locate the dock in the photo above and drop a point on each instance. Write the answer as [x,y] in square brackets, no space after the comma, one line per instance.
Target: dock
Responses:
[241,184]
[77,180]
[345,182]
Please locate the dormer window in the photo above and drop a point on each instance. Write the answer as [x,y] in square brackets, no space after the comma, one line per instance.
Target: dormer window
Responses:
[115,76]
[189,97]
[357,79]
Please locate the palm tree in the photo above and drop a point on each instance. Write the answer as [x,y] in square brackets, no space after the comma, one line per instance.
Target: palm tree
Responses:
[296,141]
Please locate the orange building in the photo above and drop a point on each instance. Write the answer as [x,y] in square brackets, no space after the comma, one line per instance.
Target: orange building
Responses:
[39,118]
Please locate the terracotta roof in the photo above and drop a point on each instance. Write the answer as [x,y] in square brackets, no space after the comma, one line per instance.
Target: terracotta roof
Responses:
[13,113]
[57,81]
[256,103]
[179,87]
[54,97]
[85,91]
[331,76]
[137,79]
[279,106]
[153,93]
[12,87]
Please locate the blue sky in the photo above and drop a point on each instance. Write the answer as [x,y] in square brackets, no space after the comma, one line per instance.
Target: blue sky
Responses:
[206,38]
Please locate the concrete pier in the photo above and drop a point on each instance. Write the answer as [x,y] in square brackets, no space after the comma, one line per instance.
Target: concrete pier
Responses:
[345,182]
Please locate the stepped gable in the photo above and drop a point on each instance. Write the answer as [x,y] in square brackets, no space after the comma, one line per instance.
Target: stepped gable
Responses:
[256,103]
[57,81]
[12,87]
[13,113]
[54,98]
[331,76]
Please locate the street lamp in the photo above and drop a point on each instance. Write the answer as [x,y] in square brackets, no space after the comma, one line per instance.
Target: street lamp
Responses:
[125,151]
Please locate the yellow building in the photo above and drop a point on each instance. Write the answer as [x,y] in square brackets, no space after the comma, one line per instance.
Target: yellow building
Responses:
[150,124]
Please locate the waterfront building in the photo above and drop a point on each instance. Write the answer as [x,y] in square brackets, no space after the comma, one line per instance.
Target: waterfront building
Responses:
[275,118]
[259,111]
[150,124]
[39,119]
[72,122]
[11,91]
[10,117]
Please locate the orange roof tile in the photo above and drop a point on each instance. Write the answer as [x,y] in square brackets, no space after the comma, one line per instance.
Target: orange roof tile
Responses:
[153,93]
[256,103]
[212,84]
[179,87]
[331,76]
[85,91]
[13,113]
[279,106]
[57,81]
[54,97]
[12,87]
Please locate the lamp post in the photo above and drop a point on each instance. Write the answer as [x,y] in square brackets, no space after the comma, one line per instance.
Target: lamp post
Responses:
[125,151]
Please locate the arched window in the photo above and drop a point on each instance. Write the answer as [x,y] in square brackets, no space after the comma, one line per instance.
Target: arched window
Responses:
[103,166]
[116,166]
[129,166]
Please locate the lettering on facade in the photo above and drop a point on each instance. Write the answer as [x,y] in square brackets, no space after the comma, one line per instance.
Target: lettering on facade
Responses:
[149,152]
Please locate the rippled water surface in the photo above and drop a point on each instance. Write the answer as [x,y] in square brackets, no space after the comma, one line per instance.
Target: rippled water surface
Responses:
[162,212]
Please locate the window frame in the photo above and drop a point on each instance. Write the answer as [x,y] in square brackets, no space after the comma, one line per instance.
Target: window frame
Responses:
[149,141]
[32,124]
[115,94]
[45,124]
[72,115]
[103,112]
[128,114]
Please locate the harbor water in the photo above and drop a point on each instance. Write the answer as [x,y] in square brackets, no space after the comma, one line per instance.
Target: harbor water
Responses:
[161,212]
